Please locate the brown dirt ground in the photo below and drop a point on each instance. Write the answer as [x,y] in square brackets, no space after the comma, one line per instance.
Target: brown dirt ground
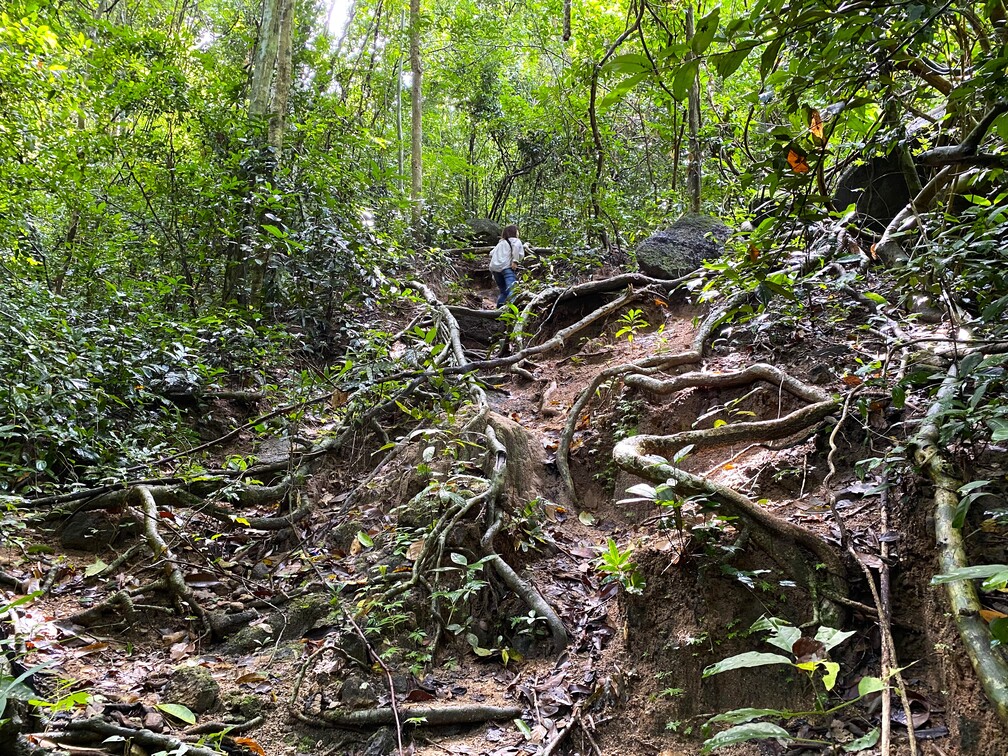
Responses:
[646,652]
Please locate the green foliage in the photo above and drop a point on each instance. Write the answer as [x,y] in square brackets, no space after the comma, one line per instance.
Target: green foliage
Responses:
[88,393]
[809,655]
[617,565]
[631,322]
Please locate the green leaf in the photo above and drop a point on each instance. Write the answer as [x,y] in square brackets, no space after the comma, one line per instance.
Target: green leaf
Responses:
[728,63]
[586,518]
[178,711]
[745,733]
[829,678]
[364,539]
[868,685]
[974,572]
[683,78]
[999,428]
[864,742]
[743,661]
[627,63]
[271,229]
[769,56]
[94,569]
[831,637]
[523,728]
[999,630]
[621,89]
[705,29]
[459,559]
[741,716]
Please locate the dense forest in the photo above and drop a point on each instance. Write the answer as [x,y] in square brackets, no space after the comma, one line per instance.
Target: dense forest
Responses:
[725,471]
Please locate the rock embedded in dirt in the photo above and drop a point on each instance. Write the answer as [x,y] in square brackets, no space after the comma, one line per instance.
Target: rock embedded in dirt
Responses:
[358,693]
[194,688]
[89,531]
[682,247]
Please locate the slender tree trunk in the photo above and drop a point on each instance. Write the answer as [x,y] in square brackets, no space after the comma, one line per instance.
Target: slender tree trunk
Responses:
[265,59]
[400,152]
[416,126]
[282,86]
[693,177]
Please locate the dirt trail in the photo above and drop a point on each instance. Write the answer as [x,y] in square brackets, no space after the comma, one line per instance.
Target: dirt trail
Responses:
[630,680]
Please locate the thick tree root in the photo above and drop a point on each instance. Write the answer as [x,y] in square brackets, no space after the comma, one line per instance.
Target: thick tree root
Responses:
[647,456]
[989,663]
[97,729]
[427,716]
[173,575]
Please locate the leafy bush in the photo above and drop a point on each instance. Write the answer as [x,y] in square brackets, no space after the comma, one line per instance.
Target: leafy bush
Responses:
[84,393]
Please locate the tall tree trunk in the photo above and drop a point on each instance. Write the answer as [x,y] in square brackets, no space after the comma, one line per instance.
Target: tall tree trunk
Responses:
[693,178]
[269,92]
[265,59]
[282,85]
[400,152]
[416,125]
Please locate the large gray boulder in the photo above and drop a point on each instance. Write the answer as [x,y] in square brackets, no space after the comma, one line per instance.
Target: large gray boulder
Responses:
[483,232]
[682,247]
[877,187]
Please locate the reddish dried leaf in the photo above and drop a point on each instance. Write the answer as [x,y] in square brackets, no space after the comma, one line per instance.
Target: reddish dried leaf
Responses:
[797,161]
[808,649]
[816,124]
[418,696]
[251,745]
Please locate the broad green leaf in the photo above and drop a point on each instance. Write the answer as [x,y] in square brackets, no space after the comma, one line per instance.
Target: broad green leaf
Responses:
[999,630]
[999,428]
[364,539]
[622,88]
[706,27]
[831,637]
[829,678]
[973,572]
[95,568]
[586,518]
[864,742]
[769,56]
[741,716]
[868,685]
[728,63]
[742,661]
[178,711]
[745,733]
[271,229]
[683,78]
[627,63]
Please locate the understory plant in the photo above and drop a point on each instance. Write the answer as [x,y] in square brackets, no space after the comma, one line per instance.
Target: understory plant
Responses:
[810,656]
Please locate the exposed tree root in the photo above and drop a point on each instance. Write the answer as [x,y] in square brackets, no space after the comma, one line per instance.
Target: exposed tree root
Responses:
[428,716]
[647,456]
[989,663]
[96,730]
[148,516]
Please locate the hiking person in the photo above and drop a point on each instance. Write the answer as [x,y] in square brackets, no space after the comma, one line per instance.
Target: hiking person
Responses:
[504,260]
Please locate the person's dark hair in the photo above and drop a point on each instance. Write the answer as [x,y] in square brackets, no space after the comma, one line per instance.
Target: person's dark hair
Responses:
[510,232]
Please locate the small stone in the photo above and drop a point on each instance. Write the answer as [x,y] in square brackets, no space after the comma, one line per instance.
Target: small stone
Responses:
[194,688]
[358,693]
[153,721]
